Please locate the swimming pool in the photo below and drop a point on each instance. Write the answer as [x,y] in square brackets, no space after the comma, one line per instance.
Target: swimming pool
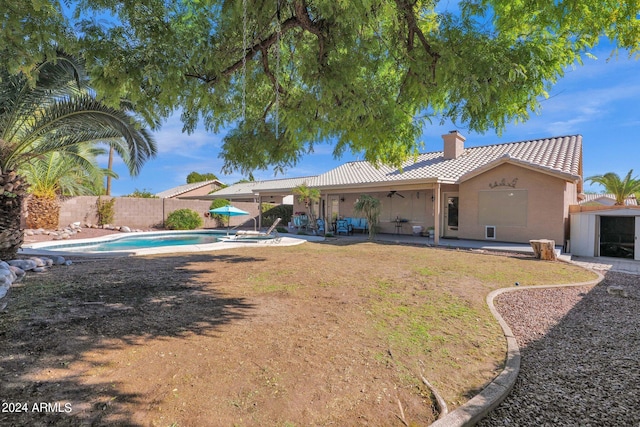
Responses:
[145,243]
[141,241]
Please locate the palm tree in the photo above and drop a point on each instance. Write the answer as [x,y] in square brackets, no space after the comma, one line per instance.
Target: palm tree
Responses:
[308,196]
[73,172]
[55,113]
[369,206]
[620,188]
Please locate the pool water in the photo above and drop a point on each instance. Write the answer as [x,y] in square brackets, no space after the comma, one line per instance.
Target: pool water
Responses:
[145,241]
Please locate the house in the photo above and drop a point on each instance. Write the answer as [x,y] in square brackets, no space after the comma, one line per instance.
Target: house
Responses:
[193,190]
[509,192]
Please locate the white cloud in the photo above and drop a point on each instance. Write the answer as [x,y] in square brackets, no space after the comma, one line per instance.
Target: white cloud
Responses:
[171,139]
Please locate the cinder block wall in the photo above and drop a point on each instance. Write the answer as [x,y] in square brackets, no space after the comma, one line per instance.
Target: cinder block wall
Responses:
[146,213]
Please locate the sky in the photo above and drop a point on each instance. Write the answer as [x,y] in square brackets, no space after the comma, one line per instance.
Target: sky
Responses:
[599,100]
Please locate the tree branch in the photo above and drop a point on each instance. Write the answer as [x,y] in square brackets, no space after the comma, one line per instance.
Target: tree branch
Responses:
[300,19]
[414,30]
[267,70]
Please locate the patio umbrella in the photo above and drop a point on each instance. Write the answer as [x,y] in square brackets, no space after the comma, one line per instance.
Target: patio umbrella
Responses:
[228,211]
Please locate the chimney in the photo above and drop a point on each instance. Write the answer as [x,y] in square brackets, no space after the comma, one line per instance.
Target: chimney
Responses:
[453,144]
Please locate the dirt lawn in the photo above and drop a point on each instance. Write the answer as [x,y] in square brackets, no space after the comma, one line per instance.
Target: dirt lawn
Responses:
[318,334]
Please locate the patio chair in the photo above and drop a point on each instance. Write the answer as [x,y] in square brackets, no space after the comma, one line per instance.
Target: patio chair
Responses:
[320,225]
[300,222]
[271,231]
[342,226]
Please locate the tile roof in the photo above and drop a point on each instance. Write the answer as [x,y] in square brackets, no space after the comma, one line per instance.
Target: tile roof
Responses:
[249,189]
[181,189]
[558,155]
[607,199]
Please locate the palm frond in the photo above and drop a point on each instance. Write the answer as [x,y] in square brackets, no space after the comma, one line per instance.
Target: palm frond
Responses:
[61,111]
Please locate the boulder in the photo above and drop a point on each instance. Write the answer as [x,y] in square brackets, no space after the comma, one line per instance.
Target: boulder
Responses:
[20,273]
[5,284]
[125,229]
[6,273]
[57,259]
[40,262]
[25,264]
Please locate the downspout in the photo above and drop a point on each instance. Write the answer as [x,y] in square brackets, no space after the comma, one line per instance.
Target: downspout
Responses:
[436,215]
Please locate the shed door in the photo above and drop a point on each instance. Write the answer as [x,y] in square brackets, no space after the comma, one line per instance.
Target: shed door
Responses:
[618,236]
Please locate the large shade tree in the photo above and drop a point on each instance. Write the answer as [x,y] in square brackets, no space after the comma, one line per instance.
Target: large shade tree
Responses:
[55,113]
[366,75]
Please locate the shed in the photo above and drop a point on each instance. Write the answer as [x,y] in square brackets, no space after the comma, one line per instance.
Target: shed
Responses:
[611,231]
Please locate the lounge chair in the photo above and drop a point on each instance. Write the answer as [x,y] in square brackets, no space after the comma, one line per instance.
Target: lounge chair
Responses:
[271,231]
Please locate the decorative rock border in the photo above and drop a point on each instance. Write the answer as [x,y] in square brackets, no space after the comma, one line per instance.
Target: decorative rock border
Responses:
[14,271]
[76,227]
[493,394]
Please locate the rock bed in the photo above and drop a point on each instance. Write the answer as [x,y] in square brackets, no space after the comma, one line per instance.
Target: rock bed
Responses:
[580,350]
[13,271]
[73,230]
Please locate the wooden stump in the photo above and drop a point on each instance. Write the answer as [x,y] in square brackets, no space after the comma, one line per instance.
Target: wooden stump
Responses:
[544,249]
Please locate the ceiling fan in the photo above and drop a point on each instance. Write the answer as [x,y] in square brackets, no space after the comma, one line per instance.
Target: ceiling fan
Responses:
[394,193]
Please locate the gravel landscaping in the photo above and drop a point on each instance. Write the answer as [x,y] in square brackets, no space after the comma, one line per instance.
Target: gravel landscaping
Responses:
[580,350]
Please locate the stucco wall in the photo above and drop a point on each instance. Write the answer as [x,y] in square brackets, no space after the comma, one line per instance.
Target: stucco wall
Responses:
[547,205]
[145,213]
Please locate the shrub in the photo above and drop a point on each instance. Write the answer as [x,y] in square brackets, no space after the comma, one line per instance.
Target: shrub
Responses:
[106,210]
[183,219]
[142,194]
[271,212]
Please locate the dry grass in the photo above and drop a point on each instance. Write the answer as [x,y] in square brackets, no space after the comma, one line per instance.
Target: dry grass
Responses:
[314,334]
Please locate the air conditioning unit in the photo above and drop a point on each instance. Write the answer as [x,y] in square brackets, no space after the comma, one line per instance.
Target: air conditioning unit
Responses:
[490,232]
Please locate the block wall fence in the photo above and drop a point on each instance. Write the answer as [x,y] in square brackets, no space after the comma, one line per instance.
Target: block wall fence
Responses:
[146,213]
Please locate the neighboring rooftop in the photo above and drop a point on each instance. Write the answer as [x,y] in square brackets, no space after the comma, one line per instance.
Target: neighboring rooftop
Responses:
[606,200]
[213,184]
[253,188]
